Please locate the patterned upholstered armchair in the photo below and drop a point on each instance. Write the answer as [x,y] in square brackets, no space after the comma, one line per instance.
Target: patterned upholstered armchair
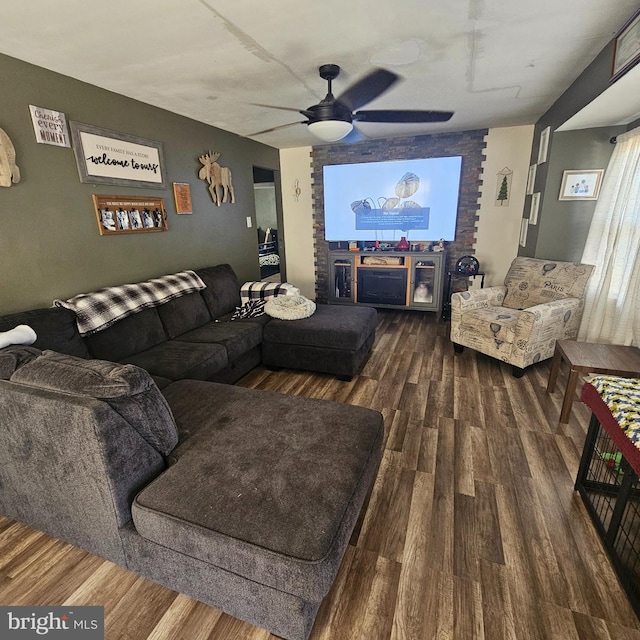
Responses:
[541,302]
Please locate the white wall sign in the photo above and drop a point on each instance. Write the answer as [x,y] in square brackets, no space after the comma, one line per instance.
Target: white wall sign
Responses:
[50,126]
[110,157]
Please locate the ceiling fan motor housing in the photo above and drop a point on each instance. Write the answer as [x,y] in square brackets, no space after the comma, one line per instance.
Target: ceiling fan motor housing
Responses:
[328,109]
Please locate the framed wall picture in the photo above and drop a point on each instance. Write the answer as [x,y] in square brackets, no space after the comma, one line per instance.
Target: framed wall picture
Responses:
[531,179]
[626,50]
[129,214]
[109,157]
[524,227]
[535,206]
[581,184]
[543,149]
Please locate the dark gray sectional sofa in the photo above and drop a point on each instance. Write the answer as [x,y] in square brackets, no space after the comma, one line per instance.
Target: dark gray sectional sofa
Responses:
[188,337]
[192,336]
[122,444]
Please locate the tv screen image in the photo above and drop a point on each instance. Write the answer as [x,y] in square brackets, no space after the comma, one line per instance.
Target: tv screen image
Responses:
[383,201]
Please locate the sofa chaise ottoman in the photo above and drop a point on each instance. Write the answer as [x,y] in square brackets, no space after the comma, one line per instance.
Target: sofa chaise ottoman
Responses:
[243,499]
[335,340]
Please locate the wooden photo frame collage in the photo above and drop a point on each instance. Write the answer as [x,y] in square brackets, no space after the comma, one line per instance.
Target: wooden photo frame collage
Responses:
[129,214]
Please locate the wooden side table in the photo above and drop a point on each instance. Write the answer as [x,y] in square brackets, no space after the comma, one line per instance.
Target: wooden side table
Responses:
[590,357]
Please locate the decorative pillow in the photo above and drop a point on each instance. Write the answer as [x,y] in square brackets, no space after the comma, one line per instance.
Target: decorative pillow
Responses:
[291,307]
[12,358]
[263,290]
[128,390]
[96,378]
[251,309]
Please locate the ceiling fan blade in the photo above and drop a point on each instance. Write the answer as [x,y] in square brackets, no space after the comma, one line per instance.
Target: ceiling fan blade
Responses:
[304,112]
[282,126]
[370,87]
[402,116]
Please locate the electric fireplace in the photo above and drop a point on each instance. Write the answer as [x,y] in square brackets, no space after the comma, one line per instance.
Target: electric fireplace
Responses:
[382,286]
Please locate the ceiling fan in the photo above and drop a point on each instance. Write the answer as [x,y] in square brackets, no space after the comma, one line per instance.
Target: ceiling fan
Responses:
[332,118]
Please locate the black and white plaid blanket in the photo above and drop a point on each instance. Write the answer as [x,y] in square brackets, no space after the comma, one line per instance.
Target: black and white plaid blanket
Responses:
[102,308]
[259,290]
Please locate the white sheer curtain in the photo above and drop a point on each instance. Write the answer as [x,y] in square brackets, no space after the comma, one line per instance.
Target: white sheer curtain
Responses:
[612,303]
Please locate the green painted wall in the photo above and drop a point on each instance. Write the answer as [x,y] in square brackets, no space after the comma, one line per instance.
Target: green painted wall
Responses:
[566,224]
[562,227]
[50,246]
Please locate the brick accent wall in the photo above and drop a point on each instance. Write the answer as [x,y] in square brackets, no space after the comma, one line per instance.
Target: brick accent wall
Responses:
[468,144]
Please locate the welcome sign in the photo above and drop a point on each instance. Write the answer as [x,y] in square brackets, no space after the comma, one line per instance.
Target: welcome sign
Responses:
[109,157]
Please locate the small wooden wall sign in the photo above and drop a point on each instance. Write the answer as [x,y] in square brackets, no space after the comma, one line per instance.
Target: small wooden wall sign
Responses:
[129,214]
[182,196]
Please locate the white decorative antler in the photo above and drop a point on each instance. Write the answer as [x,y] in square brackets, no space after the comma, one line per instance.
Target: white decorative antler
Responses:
[9,171]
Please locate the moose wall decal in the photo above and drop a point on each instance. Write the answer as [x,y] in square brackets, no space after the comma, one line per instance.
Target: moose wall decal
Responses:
[219,179]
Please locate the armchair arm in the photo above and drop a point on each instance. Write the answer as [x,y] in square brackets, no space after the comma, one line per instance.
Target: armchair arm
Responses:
[466,301]
[477,299]
[538,328]
[557,316]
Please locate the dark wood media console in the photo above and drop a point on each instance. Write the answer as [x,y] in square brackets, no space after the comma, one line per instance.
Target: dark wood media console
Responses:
[391,279]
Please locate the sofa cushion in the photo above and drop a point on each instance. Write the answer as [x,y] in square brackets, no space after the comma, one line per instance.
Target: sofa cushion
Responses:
[13,357]
[129,390]
[222,293]
[274,500]
[336,327]
[55,327]
[532,281]
[161,382]
[177,360]
[184,314]
[236,337]
[128,336]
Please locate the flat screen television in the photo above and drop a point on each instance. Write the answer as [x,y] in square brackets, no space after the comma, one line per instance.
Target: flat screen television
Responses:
[383,201]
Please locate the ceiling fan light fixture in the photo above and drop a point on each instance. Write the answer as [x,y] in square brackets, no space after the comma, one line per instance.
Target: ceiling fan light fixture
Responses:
[330,130]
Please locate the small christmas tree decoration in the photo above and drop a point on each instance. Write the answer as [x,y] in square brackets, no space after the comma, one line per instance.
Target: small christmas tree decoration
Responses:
[503,187]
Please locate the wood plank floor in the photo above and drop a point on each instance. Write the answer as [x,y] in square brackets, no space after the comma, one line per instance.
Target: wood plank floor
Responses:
[473,530]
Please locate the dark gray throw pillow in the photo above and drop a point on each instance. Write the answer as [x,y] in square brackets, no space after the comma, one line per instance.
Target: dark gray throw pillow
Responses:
[129,390]
[13,357]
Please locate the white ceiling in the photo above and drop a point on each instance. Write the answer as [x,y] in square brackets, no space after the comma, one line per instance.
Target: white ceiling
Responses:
[494,62]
